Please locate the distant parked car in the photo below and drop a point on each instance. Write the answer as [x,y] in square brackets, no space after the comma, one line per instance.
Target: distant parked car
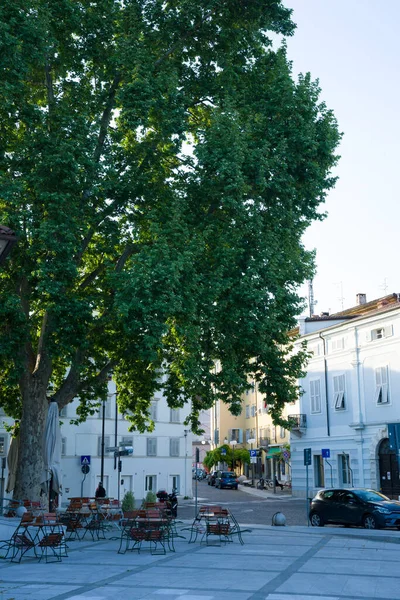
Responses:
[198,474]
[226,479]
[359,506]
[211,477]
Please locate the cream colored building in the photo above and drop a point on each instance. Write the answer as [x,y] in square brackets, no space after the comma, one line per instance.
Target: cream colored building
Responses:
[254,423]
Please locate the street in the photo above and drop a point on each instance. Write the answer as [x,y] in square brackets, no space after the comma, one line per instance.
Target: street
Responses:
[246,507]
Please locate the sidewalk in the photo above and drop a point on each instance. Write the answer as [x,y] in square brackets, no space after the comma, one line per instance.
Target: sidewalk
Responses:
[267,493]
[275,563]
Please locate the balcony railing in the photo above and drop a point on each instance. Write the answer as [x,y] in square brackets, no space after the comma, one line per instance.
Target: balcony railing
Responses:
[264,442]
[297,422]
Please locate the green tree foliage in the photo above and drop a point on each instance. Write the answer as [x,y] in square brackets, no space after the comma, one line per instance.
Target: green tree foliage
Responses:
[160,165]
[225,454]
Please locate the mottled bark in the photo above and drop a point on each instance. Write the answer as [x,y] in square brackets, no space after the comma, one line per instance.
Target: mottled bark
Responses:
[30,458]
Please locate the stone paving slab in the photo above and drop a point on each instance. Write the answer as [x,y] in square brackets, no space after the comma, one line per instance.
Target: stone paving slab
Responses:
[275,563]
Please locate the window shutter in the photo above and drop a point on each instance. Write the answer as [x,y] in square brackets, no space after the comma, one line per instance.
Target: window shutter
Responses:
[389,331]
[240,436]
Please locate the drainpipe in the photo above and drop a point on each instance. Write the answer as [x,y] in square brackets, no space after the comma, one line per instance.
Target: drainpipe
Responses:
[328,428]
[360,411]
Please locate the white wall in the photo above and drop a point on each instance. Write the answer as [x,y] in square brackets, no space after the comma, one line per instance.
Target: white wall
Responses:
[357,430]
[81,440]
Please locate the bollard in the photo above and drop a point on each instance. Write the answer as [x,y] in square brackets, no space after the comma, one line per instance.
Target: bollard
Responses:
[279,519]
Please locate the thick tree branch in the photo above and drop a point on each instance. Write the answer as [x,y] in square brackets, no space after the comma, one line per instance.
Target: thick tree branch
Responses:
[106,118]
[101,377]
[91,277]
[69,387]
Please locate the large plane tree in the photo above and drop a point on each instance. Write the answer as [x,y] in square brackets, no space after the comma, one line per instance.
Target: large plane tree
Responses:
[160,165]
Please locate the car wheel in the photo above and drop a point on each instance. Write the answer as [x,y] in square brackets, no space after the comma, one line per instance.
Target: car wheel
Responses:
[369,522]
[316,520]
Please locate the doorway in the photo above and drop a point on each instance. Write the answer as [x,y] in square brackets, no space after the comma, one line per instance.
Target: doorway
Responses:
[388,470]
[126,486]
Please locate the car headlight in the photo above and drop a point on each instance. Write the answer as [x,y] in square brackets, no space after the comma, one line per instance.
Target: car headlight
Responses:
[384,511]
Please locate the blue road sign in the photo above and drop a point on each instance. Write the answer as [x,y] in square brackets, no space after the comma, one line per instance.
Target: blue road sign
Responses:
[253,453]
[307,457]
[223,452]
[85,459]
[326,453]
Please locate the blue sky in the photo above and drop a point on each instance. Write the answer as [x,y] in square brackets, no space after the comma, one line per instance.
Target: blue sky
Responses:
[353,48]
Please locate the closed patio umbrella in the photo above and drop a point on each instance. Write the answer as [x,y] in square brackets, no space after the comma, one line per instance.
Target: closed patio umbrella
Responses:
[12,460]
[51,479]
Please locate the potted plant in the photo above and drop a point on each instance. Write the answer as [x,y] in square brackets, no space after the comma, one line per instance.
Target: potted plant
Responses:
[128,502]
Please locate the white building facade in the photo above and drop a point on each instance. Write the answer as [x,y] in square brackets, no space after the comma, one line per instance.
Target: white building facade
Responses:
[161,459]
[351,400]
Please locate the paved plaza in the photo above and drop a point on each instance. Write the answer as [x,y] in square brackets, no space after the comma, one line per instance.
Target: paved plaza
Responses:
[275,563]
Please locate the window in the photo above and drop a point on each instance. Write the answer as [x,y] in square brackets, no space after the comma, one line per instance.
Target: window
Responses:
[106,444]
[235,434]
[380,333]
[247,411]
[153,410]
[150,484]
[63,446]
[174,415]
[216,436]
[339,392]
[344,469]
[174,446]
[152,446]
[3,445]
[64,411]
[316,349]
[175,483]
[282,432]
[127,441]
[319,475]
[315,395]
[337,344]
[381,389]
[253,410]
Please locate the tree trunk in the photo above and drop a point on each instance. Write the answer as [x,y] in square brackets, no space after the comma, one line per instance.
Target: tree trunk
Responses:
[31,430]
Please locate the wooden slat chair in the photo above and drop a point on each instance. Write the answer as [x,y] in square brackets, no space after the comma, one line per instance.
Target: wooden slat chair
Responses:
[157,538]
[52,544]
[73,519]
[221,530]
[53,525]
[132,536]
[96,523]
[21,541]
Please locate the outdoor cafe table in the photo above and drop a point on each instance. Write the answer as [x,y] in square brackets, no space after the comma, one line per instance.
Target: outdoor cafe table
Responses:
[153,529]
[38,535]
[215,522]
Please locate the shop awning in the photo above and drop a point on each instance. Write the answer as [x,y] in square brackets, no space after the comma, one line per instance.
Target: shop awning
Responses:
[273,451]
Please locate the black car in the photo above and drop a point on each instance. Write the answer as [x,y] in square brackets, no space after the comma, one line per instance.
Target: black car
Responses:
[367,508]
[211,478]
[226,479]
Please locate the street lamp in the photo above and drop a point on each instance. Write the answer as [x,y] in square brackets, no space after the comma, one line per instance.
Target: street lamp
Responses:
[103,420]
[233,444]
[7,241]
[185,433]
[252,441]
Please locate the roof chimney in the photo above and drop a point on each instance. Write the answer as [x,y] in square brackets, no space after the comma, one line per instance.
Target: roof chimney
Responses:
[361,299]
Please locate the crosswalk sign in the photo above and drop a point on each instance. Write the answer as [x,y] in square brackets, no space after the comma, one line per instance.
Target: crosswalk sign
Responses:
[85,459]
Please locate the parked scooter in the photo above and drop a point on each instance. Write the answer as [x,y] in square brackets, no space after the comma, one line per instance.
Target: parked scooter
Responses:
[170,500]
